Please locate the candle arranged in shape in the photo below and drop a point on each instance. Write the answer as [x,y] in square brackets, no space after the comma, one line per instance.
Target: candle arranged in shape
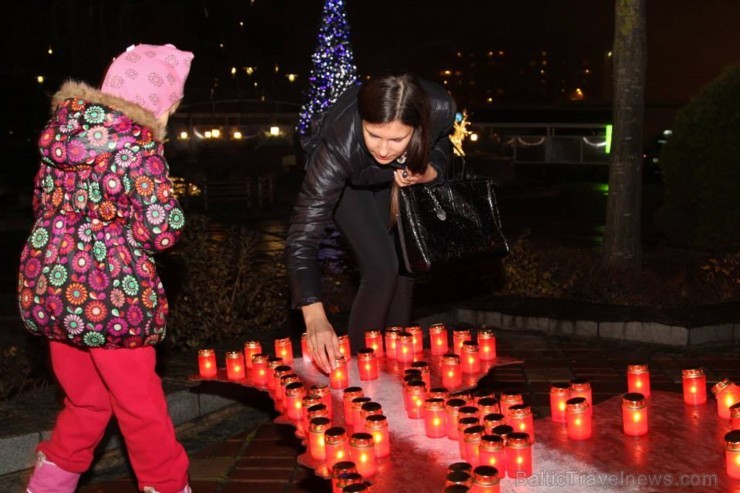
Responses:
[470,358]
[250,349]
[492,452]
[367,364]
[347,396]
[391,338]
[638,379]
[404,347]
[284,349]
[458,337]
[438,339]
[336,446]
[294,394]
[732,454]
[316,443]
[472,437]
[485,480]
[486,345]
[377,426]
[305,352]
[694,386]
[374,341]
[361,450]
[727,395]
[259,370]
[580,387]
[451,371]
[578,418]
[344,347]
[434,418]
[634,414]
[207,367]
[559,394]
[235,369]
[520,418]
[518,455]
[417,337]
[339,376]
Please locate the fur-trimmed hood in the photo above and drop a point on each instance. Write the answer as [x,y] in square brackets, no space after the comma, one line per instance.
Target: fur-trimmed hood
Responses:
[80,90]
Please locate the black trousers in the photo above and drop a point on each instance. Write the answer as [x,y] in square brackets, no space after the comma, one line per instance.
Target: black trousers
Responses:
[384,296]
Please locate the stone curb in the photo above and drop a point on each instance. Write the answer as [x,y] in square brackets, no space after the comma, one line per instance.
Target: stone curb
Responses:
[629,330]
[17,451]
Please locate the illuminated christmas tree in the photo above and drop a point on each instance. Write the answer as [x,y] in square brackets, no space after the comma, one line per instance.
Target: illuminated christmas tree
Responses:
[333,69]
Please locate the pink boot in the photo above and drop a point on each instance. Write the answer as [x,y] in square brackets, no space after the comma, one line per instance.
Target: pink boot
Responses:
[48,477]
[186,489]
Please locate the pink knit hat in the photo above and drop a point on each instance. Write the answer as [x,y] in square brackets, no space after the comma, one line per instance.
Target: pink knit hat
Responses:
[151,76]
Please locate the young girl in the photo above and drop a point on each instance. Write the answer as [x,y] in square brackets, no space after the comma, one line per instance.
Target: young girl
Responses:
[103,205]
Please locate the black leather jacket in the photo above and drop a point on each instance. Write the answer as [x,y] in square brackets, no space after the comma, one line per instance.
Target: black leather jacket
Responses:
[342,159]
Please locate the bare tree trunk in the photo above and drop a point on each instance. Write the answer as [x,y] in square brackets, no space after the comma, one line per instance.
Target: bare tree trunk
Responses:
[622,238]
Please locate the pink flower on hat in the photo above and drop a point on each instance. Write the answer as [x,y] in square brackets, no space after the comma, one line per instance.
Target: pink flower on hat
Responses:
[151,76]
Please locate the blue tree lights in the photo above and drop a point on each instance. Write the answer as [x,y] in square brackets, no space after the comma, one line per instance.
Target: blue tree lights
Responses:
[333,68]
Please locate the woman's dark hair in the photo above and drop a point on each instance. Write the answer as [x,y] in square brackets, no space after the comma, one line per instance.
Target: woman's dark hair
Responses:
[386,98]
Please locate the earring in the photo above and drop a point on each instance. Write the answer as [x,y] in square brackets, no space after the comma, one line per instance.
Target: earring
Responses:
[401,159]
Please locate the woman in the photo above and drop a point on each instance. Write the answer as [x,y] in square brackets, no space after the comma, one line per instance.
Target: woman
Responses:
[390,132]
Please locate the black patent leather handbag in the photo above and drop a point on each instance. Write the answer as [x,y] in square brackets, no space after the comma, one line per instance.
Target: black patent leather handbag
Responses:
[453,223]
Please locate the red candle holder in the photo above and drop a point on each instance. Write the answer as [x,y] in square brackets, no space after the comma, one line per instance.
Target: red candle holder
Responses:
[316,411]
[425,371]
[638,379]
[520,418]
[470,358]
[559,394]
[485,480]
[316,442]
[280,390]
[727,395]
[284,349]
[235,369]
[348,395]
[509,399]
[438,339]
[336,446]
[732,454]
[418,338]
[344,347]
[580,387]
[452,409]
[463,423]
[250,349]
[367,364]
[492,452]
[391,338]
[488,405]
[207,367]
[362,452]
[472,437]
[502,431]
[458,337]
[416,395]
[340,470]
[434,418]
[351,483]
[487,345]
[451,371]
[438,393]
[492,420]
[339,376]
[306,403]
[735,416]
[377,426]
[404,347]
[694,386]
[277,373]
[272,363]
[578,418]
[634,414]
[305,351]
[259,370]
[356,409]
[324,392]
[458,482]
[294,394]
[518,455]
[374,341]
[368,409]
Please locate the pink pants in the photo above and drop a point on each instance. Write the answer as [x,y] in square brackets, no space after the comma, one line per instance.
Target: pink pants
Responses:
[99,383]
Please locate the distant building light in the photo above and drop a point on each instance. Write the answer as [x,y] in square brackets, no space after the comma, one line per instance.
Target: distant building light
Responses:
[50,51]
[444,82]
[241,23]
[274,131]
[459,54]
[184,135]
[207,134]
[609,54]
[490,53]
[237,135]
[501,53]
[249,70]
[668,132]
[216,133]
[474,137]
[40,79]
[233,70]
[221,45]
[277,68]
[447,72]
[608,147]
[544,53]
[291,77]
[489,100]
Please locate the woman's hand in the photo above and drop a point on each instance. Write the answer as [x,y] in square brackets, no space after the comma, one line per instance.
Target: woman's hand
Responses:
[404,177]
[322,341]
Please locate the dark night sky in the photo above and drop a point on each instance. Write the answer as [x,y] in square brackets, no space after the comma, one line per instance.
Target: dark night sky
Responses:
[689,43]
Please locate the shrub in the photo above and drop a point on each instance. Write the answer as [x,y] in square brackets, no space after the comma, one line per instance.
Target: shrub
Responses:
[701,168]
[222,288]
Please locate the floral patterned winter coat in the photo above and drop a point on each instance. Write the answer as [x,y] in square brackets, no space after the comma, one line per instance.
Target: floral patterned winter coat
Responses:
[103,205]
